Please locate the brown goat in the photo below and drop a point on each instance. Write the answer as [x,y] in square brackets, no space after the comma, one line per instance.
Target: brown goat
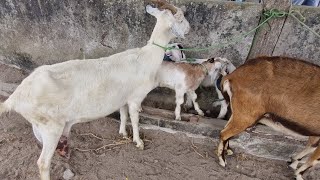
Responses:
[280,92]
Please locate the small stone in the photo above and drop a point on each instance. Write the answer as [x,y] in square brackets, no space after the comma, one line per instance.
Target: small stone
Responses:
[68,174]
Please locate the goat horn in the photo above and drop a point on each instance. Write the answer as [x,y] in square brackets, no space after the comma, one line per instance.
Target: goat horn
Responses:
[165,5]
[159,2]
[169,7]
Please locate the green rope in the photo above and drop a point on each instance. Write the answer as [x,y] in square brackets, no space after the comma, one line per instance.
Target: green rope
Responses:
[267,15]
[302,22]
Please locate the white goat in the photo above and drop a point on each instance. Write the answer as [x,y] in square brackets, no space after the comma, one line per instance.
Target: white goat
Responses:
[186,78]
[54,97]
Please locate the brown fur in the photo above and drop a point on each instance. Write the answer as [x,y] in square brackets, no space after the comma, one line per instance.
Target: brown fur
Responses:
[286,88]
[195,72]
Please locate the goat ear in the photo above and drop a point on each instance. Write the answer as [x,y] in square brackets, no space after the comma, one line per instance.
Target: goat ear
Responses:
[211,60]
[152,11]
[176,31]
[179,46]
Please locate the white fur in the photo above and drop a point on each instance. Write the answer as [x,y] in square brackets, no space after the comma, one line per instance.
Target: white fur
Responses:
[168,81]
[171,76]
[175,54]
[54,97]
[226,68]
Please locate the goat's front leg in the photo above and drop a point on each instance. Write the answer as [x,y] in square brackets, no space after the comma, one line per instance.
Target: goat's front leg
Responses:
[193,96]
[123,120]
[134,116]
[236,124]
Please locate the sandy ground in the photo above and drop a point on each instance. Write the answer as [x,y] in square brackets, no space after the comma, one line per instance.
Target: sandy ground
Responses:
[166,156]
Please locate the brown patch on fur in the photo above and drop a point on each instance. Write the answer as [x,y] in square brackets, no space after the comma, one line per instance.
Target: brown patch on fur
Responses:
[43,120]
[195,72]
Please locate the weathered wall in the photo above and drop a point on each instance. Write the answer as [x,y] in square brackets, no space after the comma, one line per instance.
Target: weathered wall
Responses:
[38,32]
[296,41]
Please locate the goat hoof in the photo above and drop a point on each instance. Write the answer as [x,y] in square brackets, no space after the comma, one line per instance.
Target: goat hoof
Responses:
[200,113]
[294,165]
[229,152]
[299,177]
[222,162]
[140,145]
[290,161]
[178,118]
[124,135]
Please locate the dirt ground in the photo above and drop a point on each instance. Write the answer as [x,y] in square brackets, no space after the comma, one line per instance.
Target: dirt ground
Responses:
[166,156]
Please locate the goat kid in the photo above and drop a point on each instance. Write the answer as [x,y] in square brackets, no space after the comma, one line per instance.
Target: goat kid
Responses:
[185,78]
[209,81]
[226,68]
[54,97]
[280,92]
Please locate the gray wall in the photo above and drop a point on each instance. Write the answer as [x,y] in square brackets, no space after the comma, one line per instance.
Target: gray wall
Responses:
[37,32]
[296,41]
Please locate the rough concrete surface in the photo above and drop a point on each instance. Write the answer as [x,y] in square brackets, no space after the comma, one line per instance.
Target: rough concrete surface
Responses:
[296,41]
[36,32]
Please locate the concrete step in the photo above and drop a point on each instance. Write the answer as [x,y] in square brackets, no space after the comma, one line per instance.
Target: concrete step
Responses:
[260,141]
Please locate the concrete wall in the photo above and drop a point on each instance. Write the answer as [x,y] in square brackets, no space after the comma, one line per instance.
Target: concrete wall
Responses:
[37,32]
[296,41]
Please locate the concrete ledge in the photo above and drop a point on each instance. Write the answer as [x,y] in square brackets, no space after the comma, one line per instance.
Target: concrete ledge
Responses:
[260,141]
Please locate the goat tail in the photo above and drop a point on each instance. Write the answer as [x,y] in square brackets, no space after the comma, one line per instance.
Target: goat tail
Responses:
[3,108]
[226,89]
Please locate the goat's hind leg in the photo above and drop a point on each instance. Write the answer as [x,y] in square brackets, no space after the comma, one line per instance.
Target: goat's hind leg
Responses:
[236,124]
[36,133]
[63,146]
[50,135]
[313,160]
[193,96]
[313,142]
[123,121]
